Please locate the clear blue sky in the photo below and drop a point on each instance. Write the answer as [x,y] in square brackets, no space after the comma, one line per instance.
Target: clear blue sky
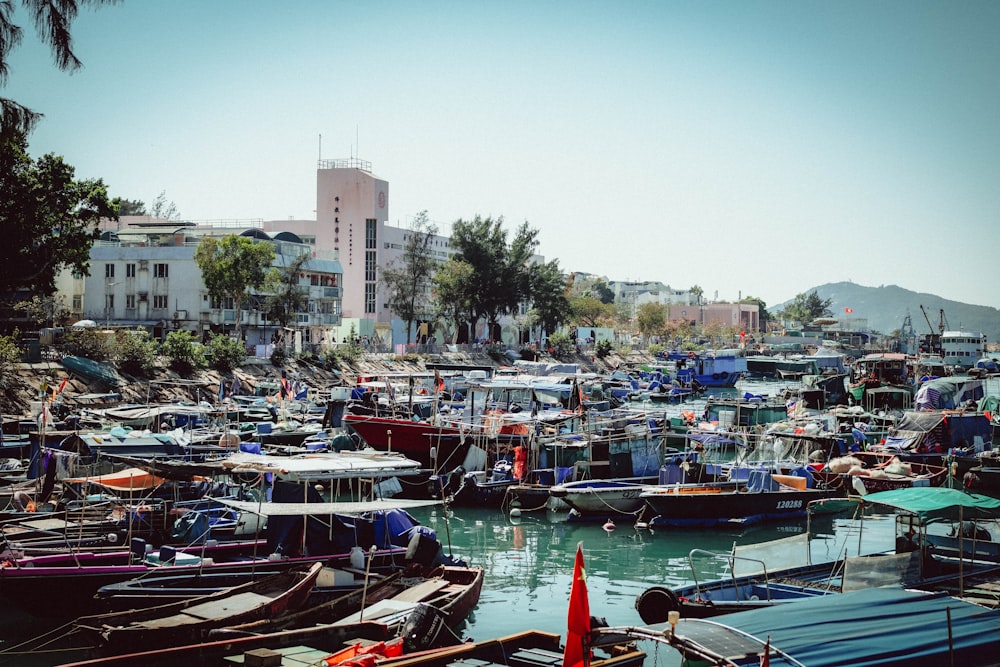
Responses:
[754,148]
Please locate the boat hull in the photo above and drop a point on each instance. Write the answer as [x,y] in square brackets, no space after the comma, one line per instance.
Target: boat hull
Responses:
[716,507]
[435,447]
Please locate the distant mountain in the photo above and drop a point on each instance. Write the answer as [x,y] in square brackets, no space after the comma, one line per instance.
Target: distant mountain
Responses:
[886,308]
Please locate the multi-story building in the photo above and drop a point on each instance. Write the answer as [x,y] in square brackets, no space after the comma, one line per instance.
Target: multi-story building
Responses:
[143,273]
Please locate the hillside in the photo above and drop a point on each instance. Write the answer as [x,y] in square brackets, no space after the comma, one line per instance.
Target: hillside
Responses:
[886,307]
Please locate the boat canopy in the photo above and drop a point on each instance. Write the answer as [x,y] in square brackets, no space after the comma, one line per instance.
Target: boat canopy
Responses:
[325,465]
[914,628]
[935,503]
[268,509]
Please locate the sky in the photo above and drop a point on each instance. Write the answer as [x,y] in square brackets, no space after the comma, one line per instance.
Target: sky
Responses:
[752,148]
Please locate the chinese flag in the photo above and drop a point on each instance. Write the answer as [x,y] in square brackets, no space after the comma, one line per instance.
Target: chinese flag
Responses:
[848,310]
[577,650]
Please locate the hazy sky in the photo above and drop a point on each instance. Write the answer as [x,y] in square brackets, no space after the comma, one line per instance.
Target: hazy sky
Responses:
[752,148]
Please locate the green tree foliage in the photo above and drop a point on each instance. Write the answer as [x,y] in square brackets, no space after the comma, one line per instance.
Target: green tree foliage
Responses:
[48,218]
[560,345]
[226,353]
[548,295]
[285,296]
[89,342]
[161,208]
[805,308]
[183,352]
[136,352]
[52,24]
[232,266]
[501,278]
[652,318]
[452,298]
[603,292]
[408,281]
[589,311]
[697,291]
[10,357]
[131,206]
[45,311]
[603,348]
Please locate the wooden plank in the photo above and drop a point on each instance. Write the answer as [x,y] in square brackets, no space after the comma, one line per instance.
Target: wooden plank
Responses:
[236,604]
[421,591]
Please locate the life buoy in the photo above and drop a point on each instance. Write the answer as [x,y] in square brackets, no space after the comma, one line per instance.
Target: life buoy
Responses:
[691,354]
[654,604]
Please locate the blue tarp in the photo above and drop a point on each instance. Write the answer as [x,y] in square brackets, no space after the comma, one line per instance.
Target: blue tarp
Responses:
[879,626]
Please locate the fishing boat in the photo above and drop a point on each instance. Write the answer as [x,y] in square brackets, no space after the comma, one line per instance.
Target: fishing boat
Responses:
[938,547]
[870,472]
[762,497]
[436,447]
[189,621]
[914,628]
[604,498]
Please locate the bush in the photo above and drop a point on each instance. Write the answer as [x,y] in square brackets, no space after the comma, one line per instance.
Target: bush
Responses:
[656,348]
[278,356]
[10,356]
[183,352]
[226,353]
[561,346]
[136,352]
[603,348]
[91,343]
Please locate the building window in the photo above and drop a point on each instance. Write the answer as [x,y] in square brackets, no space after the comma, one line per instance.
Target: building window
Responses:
[130,300]
[371,233]
[109,270]
[130,270]
[370,264]
[369,298]
[77,302]
[160,270]
[109,302]
[160,301]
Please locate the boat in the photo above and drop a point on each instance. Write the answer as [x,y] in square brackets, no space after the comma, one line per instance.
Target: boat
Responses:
[436,447]
[763,497]
[717,368]
[870,472]
[926,556]
[913,628]
[92,371]
[189,621]
[604,498]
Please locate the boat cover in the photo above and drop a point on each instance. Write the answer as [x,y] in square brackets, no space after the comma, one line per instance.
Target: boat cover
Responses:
[878,626]
[937,503]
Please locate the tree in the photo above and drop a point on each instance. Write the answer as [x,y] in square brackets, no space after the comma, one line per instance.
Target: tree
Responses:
[548,295]
[451,295]
[52,23]
[408,282]
[591,312]
[286,297]
[49,219]
[602,291]
[698,292]
[162,208]
[652,317]
[44,310]
[501,278]
[232,266]
[131,207]
[807,307]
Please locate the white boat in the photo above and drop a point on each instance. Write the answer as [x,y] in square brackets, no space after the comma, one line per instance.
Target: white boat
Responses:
[603,498]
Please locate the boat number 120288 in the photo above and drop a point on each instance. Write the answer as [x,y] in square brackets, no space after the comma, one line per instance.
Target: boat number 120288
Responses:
[789,505]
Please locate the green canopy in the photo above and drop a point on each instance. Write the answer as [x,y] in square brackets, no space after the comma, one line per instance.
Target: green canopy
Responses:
[932,503]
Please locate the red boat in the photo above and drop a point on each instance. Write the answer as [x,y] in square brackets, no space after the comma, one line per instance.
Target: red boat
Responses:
[438,447]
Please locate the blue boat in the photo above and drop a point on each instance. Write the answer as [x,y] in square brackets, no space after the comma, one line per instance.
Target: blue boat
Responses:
[92,371]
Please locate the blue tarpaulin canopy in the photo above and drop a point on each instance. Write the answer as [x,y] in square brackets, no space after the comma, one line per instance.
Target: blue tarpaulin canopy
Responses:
[884,626]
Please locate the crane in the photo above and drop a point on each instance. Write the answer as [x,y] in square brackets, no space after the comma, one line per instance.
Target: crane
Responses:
[926,317]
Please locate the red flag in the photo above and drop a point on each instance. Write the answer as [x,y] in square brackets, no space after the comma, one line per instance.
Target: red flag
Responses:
[848,310]
[765,657]
[577,650]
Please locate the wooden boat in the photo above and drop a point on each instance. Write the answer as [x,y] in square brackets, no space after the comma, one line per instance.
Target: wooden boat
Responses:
[880,472]
[189,621]
[763,497]
[92,371]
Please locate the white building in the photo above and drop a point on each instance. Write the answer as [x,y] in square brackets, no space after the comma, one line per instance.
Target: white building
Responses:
[143,273]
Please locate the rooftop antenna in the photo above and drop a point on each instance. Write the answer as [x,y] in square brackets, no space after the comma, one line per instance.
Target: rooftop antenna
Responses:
[321,147]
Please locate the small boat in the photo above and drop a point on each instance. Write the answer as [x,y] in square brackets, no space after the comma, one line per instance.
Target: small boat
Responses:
[870,472]
[190,620]
[92,371]
[763,497]
[601,498]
